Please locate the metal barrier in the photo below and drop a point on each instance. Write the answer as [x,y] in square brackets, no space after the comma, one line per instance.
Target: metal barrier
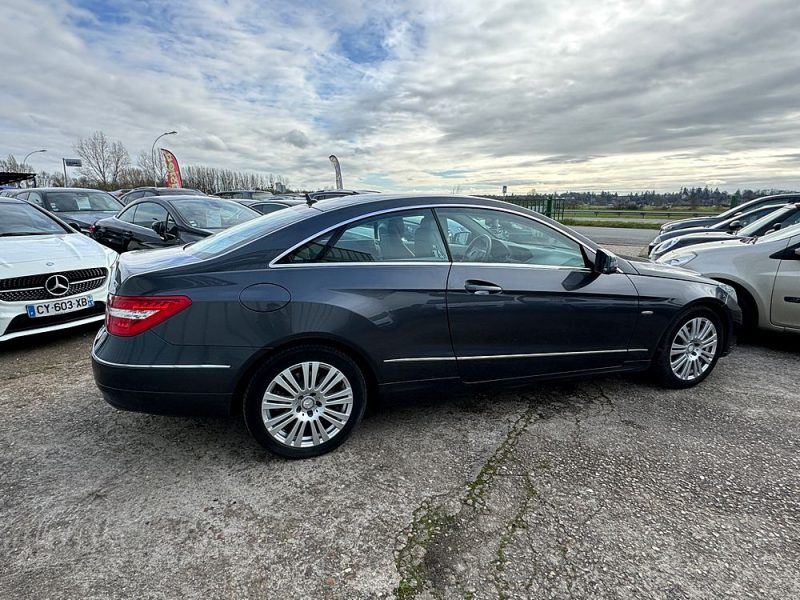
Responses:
[549,207]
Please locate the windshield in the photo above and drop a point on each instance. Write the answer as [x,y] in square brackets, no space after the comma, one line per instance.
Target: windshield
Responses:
[245,233]
[82,201]
[24,219]
[767,220]
[214,214]
[780,234]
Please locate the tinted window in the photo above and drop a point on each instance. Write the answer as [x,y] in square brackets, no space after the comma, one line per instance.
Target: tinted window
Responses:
[500,237]
[82,200]
[212,213]
[34,197]
[249,232]
[148,213]
[130,197]
[267,207]
[403,236]
[127,215]
[24,219]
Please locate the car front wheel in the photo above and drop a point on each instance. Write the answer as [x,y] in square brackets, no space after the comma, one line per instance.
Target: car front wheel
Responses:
[689,350]
[305,401]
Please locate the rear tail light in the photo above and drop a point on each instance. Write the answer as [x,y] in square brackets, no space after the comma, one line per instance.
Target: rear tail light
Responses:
[92,229]
[132,315]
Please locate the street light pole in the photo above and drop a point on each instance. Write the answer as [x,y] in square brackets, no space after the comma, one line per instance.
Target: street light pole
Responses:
[24,160]
[153,156]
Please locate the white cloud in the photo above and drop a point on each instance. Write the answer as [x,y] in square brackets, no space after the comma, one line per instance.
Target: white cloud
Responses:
[573,95]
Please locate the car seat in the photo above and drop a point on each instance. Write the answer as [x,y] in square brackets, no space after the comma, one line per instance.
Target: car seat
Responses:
[391,240]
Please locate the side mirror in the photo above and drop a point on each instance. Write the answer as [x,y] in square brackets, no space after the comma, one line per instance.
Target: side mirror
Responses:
[160,227]
[735,225]
[797,252]
[75,226]
[605,262]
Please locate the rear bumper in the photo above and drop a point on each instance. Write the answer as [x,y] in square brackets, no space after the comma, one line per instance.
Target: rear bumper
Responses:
[174,380]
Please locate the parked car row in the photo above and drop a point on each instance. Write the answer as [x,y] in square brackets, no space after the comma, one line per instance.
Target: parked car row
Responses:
[782,210]
[51,277]
[760,260]
[158,221]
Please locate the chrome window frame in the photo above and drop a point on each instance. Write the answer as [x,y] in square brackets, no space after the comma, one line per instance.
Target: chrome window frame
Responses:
[275,262]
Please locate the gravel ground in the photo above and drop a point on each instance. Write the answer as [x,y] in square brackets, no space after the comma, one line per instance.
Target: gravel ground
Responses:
[607,487]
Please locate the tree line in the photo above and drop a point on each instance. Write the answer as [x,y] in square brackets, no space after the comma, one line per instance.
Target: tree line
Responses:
[107,165]
[685,196]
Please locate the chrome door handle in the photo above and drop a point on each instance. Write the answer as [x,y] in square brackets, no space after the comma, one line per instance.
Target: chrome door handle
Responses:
[481,288]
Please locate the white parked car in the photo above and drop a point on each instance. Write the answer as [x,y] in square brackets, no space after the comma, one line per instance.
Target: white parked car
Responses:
[764,271]
[51,276]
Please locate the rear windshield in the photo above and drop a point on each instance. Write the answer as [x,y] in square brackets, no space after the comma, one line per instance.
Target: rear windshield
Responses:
[80,201]
[250,231]
[214,214]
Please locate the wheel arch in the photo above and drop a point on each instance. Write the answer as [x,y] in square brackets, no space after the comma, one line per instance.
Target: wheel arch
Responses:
[717,307]
[744,291]
[360,357]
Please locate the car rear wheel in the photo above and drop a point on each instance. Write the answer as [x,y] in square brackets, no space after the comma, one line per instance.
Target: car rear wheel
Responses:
[305,401]
[689,350]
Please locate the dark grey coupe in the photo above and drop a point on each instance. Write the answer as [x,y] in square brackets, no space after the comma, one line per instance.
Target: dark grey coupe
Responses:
[301,316]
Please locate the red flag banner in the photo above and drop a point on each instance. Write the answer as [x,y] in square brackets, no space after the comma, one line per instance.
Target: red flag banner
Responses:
[173,170]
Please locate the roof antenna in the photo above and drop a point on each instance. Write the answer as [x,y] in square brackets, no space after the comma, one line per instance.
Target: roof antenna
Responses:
[309,199]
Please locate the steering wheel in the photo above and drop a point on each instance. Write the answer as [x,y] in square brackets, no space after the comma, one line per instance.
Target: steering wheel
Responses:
[478,249]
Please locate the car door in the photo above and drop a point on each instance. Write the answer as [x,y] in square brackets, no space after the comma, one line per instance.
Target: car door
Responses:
[143,236]
[116,232]
[378,283]
[522,302]
[786,292]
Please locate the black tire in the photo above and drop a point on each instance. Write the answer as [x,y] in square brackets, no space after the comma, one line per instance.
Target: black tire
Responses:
[265,377]
[661,367]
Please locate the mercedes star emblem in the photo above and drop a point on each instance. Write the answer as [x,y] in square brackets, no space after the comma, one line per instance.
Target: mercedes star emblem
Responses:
[57,285]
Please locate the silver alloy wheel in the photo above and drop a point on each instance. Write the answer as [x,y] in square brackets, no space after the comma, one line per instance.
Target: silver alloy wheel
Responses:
[307,404]
[693,348]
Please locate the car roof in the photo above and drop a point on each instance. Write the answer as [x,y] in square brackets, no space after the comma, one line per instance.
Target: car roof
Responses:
[290,201]
[171,197]
[66,189]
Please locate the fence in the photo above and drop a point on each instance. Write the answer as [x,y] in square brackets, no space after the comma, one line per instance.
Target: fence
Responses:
[549,207]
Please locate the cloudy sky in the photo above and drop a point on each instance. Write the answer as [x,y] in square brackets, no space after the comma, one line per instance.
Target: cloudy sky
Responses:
[418,95]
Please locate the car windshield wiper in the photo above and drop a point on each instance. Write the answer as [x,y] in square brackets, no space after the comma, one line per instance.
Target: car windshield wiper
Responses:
[18,233]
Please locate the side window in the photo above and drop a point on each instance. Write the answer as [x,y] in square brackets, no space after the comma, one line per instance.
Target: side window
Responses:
[793,220]
[409,236]
[36,198]
[127,215]
[492,236]
[134,196]
[267,207]
[148,213]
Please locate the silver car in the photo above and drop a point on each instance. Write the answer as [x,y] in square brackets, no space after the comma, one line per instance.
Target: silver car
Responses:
[765,272]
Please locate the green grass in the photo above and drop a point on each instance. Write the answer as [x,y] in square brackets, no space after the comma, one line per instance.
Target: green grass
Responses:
[628,224]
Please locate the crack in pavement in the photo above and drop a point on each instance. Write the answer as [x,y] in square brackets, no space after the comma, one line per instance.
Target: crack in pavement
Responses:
[425,561]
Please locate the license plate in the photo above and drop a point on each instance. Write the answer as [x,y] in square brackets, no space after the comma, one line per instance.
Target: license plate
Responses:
[57,307]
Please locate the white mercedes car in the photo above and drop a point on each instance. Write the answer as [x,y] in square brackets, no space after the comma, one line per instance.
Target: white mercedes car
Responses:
[51,276]
[764,271]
